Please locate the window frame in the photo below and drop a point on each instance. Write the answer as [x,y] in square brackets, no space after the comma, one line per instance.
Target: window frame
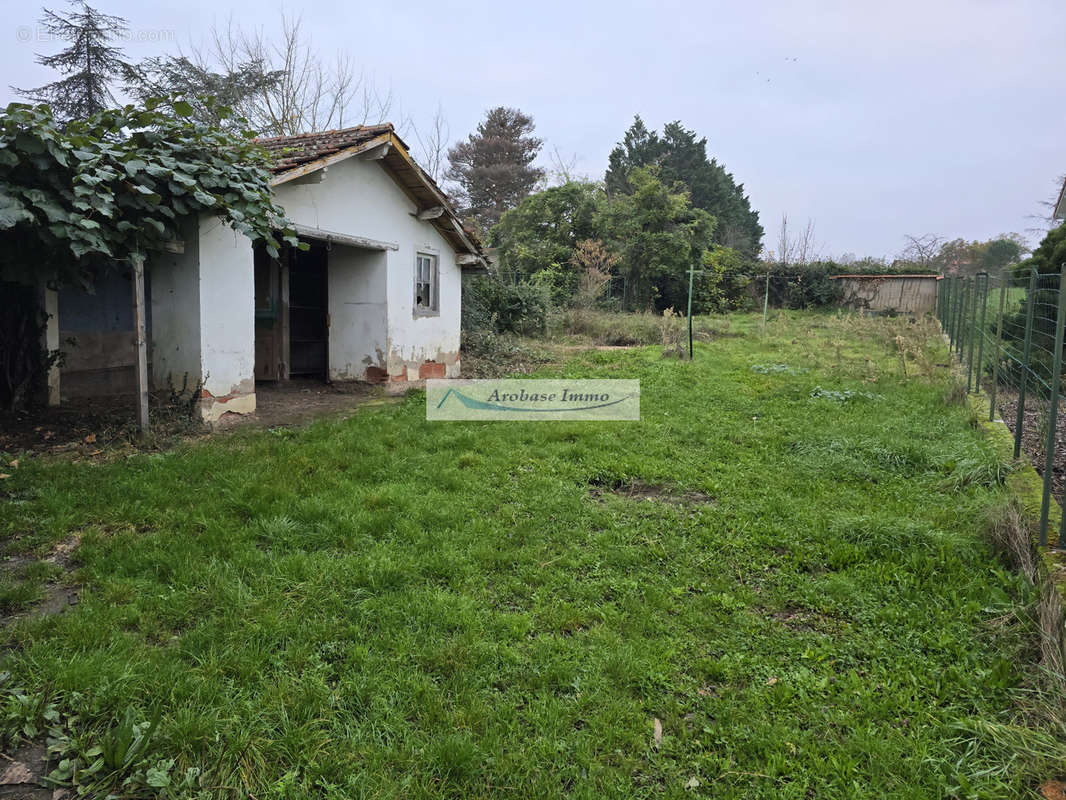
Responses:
[433,308]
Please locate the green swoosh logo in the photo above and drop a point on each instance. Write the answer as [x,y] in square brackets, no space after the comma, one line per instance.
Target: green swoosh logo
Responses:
[481,405]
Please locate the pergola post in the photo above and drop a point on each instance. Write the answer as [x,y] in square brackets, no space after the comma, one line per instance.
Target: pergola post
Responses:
[140,341]
[49,303]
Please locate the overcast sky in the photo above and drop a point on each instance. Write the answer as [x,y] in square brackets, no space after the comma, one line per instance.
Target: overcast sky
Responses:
[874,119]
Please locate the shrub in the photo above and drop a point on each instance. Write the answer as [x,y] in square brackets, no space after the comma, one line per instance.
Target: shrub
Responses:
[490,304]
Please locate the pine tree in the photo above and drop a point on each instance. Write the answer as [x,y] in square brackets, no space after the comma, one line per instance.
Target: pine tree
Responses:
[89,64]
[681,157]
[493,167]
[208,92]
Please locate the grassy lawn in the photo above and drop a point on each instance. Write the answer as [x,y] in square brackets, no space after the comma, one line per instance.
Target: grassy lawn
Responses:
[794,589]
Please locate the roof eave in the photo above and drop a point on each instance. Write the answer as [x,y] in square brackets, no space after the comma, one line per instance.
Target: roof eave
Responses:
[397,157]
[301,170]
[1060,206]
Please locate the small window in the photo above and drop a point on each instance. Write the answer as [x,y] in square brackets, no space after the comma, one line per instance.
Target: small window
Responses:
[427,299]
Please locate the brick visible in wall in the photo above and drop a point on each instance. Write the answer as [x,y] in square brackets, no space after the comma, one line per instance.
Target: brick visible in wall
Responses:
[431,369]
[376,375]
[401,377]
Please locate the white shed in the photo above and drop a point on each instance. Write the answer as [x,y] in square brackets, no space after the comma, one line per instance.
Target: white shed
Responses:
[376,297]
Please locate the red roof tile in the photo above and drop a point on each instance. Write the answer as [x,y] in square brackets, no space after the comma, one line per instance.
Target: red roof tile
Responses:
[288,152]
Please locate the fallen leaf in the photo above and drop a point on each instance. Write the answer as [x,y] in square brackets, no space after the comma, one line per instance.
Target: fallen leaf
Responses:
[14,463]
[16,773]
[657,732]
[772,680]
[693,783]
[1053,790]
[4,475]
[90,438]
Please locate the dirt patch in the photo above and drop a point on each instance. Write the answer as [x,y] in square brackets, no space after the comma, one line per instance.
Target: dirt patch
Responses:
[97,428]
[58,596]
[803,619]
[61,552]
[299,402]
[21,773]
[80,427]
[639,490]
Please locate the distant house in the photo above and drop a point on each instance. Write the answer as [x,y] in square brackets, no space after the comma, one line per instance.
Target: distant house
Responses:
[1060,206]
[376,297]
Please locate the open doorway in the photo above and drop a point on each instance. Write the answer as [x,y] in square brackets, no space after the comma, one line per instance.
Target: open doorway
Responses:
[292,314]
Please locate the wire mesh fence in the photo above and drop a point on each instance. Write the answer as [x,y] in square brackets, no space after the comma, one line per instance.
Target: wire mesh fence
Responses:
[1007,332]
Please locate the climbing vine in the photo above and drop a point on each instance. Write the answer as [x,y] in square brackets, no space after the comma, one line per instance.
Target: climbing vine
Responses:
[86,196]
[100,194]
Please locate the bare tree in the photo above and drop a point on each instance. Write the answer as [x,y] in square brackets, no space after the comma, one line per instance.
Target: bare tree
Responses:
[433,144]
[595,263]
[563,168]
[924,250]
[313,93]
[280,85]
[793,250]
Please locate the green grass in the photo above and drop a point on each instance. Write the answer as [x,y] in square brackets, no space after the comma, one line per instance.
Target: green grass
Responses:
[385,607]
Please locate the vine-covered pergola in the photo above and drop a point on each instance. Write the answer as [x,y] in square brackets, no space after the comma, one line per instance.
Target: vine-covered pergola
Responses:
[108,193]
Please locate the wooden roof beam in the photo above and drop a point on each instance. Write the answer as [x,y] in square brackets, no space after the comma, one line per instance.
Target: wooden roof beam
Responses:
[431,213]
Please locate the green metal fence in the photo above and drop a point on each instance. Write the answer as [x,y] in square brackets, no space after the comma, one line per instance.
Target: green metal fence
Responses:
[1007,332]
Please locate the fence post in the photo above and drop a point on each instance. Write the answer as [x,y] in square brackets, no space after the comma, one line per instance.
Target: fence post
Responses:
[999,340]
[766,300]
[983,295]
[1019,418]
[1053,407]
[947,306]
[961,317]
[971,334]
[954,315]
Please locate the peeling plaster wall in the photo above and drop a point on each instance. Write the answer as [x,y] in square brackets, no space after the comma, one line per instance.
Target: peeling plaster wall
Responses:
[359,198]
[416,340]
[203,308]
[227,309]
[357,283]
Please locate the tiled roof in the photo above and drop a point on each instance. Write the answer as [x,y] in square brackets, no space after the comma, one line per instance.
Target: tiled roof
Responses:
[292,155]
[288,152]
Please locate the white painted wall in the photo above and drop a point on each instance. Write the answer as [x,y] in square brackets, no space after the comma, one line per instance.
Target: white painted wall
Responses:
[359,198]
[227,310]
[175,299]
[203,318]
[357,282]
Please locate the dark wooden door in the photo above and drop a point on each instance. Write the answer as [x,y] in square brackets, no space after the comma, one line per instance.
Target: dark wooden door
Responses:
[308,314]
[268,328]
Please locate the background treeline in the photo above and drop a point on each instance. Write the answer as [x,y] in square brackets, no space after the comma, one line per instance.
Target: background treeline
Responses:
[628,242]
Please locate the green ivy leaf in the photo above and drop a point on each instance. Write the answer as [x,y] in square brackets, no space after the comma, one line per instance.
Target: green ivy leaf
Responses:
[12,212]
